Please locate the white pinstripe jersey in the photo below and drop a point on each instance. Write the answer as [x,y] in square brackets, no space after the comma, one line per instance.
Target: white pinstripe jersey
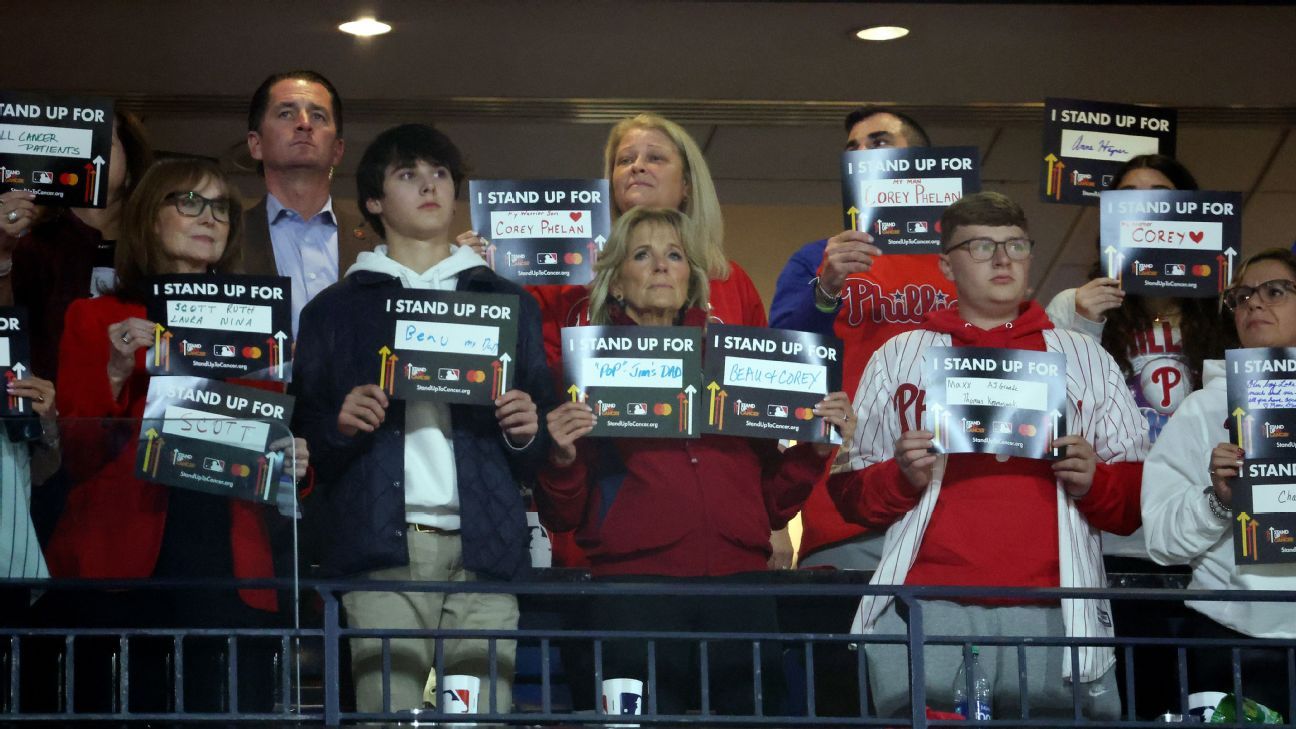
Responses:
[1099,407]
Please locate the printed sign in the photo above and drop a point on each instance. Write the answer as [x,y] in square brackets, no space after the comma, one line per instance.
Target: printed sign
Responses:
[1171,242]
[640,381]
[214,437]
[764,383]
[15,358]
[448,346]
[991,400]
[57,147]
[542,231]
[1261,420]
[897,195]
[1086,142]
[221,327]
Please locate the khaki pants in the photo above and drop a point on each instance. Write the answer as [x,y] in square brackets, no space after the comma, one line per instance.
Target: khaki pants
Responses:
[433,558]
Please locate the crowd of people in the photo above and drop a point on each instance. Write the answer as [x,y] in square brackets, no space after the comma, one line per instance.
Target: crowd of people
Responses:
[427,491]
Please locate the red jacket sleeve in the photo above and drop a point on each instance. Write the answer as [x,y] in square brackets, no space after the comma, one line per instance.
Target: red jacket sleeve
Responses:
[562,494]
[1113,501]
[787,478]
[875,497]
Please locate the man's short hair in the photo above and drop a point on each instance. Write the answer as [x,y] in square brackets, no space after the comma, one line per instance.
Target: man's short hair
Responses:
[983,208]
[406,144]
[261,97]
[913,132]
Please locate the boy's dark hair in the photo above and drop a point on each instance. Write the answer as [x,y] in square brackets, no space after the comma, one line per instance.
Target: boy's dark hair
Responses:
[261,97]
[913,132]
[406,144]
[982,208]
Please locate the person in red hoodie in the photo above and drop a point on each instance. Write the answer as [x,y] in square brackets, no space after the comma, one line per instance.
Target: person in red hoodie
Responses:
[666,509]
[987,520]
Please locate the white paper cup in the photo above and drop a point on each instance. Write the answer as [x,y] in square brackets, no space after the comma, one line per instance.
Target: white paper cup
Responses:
[458,694]
[1203,703]
[541,546]
[623,697]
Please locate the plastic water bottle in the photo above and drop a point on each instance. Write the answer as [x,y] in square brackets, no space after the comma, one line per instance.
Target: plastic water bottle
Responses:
[978,709]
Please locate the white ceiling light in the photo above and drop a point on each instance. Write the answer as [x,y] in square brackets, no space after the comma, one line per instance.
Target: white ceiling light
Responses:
[364,27]
[882,33]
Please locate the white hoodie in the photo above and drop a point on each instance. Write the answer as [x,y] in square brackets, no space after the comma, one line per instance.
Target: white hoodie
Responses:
[431,485]
[1181,529]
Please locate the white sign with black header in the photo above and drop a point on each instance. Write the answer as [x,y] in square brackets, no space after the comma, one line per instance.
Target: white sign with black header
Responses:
[1087,142]
[542,231]
[989,400]
[897,195]
[1171,243]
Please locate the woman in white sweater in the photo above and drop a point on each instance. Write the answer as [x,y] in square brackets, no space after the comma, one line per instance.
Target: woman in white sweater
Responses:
[1188,494]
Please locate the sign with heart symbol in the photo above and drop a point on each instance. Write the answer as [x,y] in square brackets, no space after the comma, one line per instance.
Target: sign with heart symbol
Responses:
[541,231]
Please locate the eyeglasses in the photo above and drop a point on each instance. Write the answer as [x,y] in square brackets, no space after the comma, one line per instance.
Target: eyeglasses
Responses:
[191,204]
[1271,293]
[983,249]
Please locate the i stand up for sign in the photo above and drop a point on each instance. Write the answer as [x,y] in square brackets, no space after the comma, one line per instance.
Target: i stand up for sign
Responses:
[764,383]
[1262,419]
[209,436]
[221,326]
[57,147]
[989,400]
[1086,142]
[542,231]
[447,346]
[897,195]
[1171,242]
[640,381]
[15,357]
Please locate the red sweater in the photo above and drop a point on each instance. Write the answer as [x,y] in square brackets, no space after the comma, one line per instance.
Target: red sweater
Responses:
[112,524]
[870,314]
[995,522]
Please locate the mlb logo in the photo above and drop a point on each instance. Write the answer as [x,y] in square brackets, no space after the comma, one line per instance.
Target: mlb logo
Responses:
[1144,269]
[448,374]
[1001,426]
[224,350]
[1107,180]
[457,701]
[547,259]
[43,178]
[637,408]
[629,704]
[917,226]
[885,227]
[214,464]
[777,411]
[607,408]
[1175,269]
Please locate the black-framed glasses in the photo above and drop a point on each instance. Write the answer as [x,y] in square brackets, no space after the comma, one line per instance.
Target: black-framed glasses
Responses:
[191,204]
[983,249]
[1271,293]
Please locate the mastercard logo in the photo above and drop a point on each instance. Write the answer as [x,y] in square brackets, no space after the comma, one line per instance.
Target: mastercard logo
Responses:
[662,408]
[69,178]
[1027,430]
[573,258]
[1201,270]
[476,376]
[252,352]
[804,413]
[238,469]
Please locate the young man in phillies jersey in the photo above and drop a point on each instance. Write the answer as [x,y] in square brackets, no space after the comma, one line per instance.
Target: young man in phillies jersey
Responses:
[993,520]
[844,286]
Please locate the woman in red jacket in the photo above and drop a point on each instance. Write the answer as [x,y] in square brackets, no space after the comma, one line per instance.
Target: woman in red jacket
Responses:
[184,217]
[654,508]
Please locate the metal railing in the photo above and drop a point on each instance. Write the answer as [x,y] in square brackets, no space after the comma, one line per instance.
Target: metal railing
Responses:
[311,658]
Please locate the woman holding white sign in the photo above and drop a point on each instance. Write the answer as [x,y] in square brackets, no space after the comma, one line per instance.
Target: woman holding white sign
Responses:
[1188,495]
[658,509]
[184,217]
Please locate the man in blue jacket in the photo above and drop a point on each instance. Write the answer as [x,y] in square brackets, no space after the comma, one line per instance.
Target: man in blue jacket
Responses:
[417,490]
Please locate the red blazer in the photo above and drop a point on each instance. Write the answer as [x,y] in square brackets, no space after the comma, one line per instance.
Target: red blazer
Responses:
[112,524]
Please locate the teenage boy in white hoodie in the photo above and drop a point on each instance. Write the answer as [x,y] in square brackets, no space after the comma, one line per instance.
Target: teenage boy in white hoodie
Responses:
[417,490]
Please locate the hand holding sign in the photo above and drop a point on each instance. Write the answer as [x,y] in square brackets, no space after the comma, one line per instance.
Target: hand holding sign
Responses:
[914,456]
[1097,297]
[836,409]
[1076,470]
[299,455]
[39,392]
[17,211]
[568,423]
[517,416]
[1225,465]
[364,409]
[126,336]
[850,251]
[471,239]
